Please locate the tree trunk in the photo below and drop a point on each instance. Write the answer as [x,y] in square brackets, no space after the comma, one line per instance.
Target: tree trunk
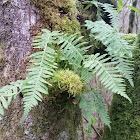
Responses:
[20,21]
[132,18]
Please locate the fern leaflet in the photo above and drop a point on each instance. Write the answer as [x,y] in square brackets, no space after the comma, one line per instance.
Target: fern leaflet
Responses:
[86,74]
[112,14]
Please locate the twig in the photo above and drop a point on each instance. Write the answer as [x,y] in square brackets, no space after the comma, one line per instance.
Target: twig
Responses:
[93,128]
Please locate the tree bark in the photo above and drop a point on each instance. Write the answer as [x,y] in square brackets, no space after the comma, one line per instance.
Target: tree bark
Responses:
[132,17]
[57,119]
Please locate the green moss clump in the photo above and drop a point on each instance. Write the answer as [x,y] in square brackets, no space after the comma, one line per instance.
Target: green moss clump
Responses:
[71,5]
[125,117]
[131,38]
[70,26]
[67,80]
[58,15]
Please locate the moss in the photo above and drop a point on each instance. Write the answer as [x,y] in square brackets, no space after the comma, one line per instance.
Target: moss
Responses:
[67,80]
[71,5]
[62,112]
[58,15]
[131,38]
[70,26]
[125,117]
[83,14]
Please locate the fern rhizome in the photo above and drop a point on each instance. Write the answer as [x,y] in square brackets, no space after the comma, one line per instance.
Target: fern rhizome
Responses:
[46,71]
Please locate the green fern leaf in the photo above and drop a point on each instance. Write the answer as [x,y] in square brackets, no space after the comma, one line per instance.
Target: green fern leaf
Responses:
[42,70]
[101,108]
[125,67]
[110,38]
[73,49]
[112,14]
[109,76]
[94,102]
[86,75]
[7,93]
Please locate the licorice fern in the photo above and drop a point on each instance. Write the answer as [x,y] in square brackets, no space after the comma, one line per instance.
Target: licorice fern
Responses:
[110,38]
[7,93]
[42,70]
[108,76]
[94,102]
[109,35]
[113,67]
[73,49]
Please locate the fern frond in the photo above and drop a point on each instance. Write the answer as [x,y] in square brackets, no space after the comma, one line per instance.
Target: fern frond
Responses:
[73,49]
[112,14]
[110,38]
[93,102]
[125,67]
[7,93]
[42,69]
[109,9]
[109,75]
[101,108]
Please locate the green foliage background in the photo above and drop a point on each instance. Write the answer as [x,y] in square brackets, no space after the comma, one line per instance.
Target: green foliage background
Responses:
[125,117]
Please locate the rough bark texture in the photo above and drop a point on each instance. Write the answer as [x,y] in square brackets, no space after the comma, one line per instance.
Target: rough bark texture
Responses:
[132,18]
[16,20]
[51,120]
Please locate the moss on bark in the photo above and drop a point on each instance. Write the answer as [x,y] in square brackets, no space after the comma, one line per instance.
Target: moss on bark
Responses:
[58,15]
[57,119]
